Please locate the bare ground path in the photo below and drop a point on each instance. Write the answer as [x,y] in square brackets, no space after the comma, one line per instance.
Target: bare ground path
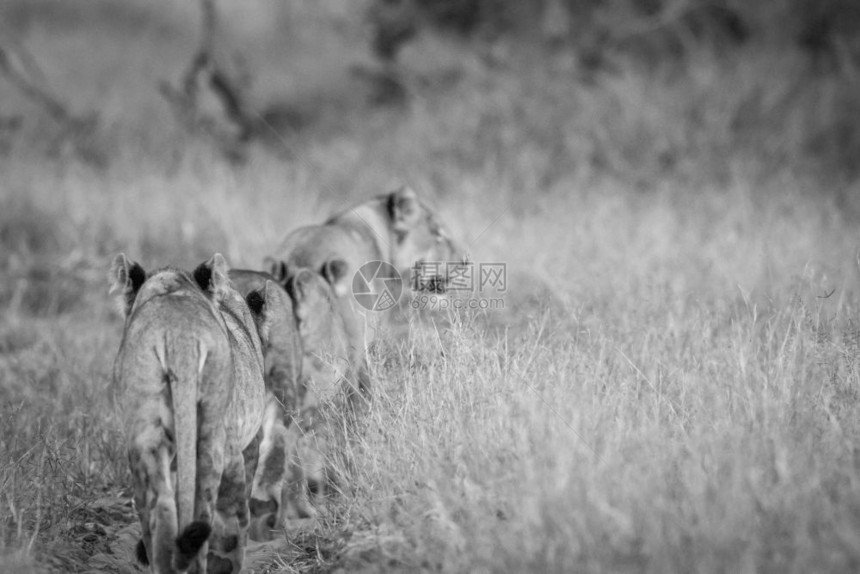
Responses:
[111,535]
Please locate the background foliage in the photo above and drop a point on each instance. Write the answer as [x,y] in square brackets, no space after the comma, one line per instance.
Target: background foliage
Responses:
[673,384]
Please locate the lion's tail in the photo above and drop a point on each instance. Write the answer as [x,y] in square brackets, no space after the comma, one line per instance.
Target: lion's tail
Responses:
[183,389]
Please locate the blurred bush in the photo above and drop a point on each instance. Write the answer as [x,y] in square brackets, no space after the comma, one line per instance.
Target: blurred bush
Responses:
[679,86]
[826,29]
[817,25]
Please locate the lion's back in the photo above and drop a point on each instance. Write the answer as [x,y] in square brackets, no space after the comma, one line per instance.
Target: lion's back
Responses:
[173,318]
[247,385]
[314,245]
[169,336]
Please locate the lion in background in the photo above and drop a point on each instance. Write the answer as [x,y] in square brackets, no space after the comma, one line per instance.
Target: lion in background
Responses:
[397,228]
[309,378]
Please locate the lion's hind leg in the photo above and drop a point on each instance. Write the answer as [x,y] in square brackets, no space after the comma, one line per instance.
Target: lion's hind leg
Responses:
[265,502]
[149,457]
[313,454]
[210,468]
[313,460]
[227,549]
[267,512]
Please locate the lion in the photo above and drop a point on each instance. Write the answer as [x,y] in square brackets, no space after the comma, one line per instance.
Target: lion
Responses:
[397,228]
[328,381]
[273,311]
[282,349]
[188,381]
[292,477]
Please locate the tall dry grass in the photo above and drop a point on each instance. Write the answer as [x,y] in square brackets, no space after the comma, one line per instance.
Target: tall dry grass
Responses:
[673,385]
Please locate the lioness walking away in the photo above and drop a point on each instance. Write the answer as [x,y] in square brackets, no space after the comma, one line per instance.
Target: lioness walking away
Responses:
[308,369]
[272,308]
[395,227]
[188,381]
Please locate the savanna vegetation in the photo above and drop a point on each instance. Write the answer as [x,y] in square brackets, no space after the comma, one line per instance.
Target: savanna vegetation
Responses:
[674,382]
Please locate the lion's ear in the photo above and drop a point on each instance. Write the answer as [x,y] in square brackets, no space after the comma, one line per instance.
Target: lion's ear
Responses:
[404,209]
[127,277]
[308,295]
[257,303]
[213,276]
[335,271]
[277,297]
[277,269]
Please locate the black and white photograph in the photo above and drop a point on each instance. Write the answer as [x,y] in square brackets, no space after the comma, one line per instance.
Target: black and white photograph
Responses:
[448,286]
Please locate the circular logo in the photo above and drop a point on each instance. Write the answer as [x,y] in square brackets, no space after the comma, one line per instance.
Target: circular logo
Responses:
[377,286]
